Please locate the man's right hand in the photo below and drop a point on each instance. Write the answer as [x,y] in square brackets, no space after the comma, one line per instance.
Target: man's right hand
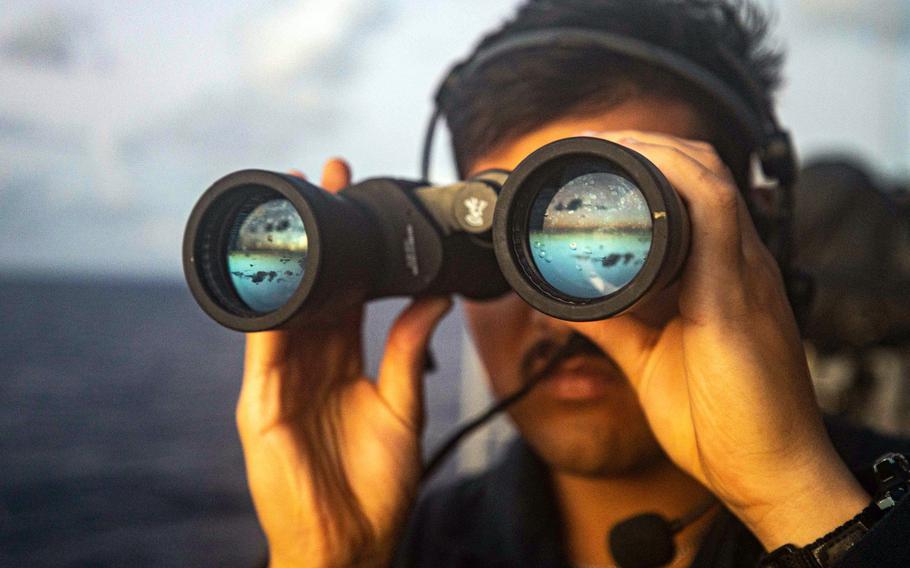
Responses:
[333,458]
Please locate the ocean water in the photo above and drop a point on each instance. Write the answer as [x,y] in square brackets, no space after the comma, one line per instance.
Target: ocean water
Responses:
[117,438]
[589,264]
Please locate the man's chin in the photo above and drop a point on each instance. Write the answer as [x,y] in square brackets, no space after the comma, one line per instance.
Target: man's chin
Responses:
[581,442]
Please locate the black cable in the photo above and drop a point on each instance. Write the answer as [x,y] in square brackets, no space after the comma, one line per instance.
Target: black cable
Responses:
[686,520]
[443,452]
[449,445]
[428,144]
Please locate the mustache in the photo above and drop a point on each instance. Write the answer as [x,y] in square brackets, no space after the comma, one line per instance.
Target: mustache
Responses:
[546,354]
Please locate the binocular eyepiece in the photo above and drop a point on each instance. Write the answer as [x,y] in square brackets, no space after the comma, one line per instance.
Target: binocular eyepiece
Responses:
[582,229]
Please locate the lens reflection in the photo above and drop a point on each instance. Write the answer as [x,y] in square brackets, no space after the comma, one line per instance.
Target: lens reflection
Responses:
[589,231]
[266,257]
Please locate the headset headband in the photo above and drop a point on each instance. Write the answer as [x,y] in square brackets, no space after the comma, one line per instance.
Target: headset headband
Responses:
[754,117]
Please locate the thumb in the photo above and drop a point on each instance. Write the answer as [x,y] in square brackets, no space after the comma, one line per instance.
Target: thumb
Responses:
[400,374]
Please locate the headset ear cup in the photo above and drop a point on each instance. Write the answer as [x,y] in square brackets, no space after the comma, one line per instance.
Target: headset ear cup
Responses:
[778,158]
[800,287]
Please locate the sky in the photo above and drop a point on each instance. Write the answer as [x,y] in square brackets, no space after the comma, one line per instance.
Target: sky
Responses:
[115,116]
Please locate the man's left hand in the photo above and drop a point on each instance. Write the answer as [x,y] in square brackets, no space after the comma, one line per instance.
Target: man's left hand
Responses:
[724,381]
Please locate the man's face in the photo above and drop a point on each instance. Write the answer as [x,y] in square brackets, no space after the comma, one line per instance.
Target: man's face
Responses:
[583,418]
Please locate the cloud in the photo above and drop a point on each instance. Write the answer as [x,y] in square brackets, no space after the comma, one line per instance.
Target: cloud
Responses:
[54,39]
[303,37]
[887,18]
[112,195]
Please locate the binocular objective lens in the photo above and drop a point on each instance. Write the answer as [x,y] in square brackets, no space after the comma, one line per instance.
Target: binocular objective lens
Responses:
[589,231]
[266,255]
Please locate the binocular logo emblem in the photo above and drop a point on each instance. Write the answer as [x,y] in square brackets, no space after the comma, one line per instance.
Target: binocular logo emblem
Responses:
[475,208]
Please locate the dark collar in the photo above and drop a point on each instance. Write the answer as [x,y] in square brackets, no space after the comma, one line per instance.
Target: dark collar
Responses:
[522,509]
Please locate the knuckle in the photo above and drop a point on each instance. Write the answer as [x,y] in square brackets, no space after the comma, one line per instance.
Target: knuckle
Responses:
[707,148]
[760,258]
[708,156]
[670,157]
[723,195]
[767,258]
[715,163]
[676,154]
[768,280]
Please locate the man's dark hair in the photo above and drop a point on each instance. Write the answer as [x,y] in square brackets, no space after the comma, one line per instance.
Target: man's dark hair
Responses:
[513,95]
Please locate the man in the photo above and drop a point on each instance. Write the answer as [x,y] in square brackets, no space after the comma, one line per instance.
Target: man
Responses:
[701,395]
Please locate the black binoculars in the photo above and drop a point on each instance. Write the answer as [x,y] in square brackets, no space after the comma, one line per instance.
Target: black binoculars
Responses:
[582,229]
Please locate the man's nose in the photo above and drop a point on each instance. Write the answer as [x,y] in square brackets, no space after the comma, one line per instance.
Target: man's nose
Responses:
[552,327]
